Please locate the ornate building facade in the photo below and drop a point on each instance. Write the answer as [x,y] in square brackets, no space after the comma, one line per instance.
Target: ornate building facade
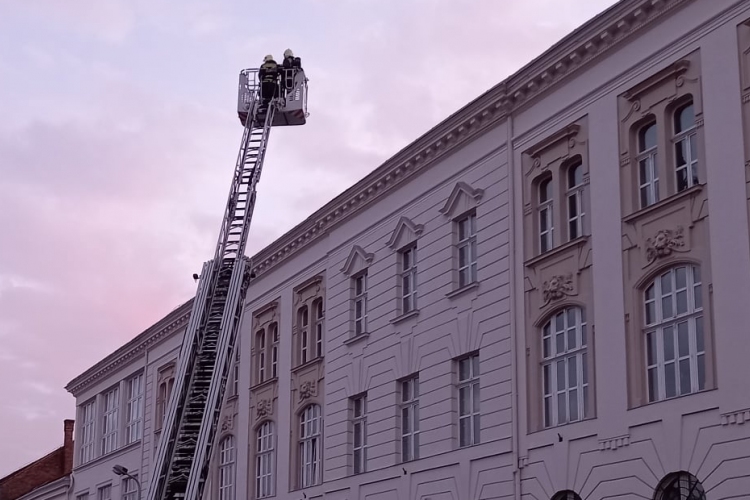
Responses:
[531,301]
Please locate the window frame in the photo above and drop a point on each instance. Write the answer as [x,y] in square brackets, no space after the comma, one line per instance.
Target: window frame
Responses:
[303,320]
[472,383]
[689,137]
[110,420]
[358,422]
[694,317]
[126,492]
[101,490]
[134,409]
[551,358]
[545,209]
[87,451]
[310,445]
[407,273]
[575,192]
[359,299]
[227,468]
[409,413]
[466,273]
[265,460]
[318,326]
[649,155]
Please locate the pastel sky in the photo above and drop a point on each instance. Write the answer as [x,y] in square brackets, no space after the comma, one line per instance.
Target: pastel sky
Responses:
[118,136]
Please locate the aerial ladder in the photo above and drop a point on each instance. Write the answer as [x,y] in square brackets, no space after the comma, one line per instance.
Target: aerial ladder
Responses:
[180,467]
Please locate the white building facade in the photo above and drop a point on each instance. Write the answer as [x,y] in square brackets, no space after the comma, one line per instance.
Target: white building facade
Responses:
[530,301]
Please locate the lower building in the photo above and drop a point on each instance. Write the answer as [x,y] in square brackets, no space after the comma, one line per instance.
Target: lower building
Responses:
[45,479]
[531,301]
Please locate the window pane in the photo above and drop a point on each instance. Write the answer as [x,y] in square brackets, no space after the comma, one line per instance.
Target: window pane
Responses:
[548,411]
[684,118]
[701,372]
[561,375]
[572,371]
[475,397]
[652,385]
[651,349]
[670,381]
[476,428]
[668,343]
[464,431]
[463,369]
[561,410]
[547,379]
[575,176]
[573,404]
[685,386]
[545,191]
[682,302]
[699,342]
[683,345]
[405,427]
[666,307]
[647,137]
[585,368]
[464,402]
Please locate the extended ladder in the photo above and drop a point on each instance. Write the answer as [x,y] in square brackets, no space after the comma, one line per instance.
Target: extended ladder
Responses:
[181,464]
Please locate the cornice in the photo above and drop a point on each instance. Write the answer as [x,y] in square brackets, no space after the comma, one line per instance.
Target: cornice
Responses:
[148,338]
[589,42]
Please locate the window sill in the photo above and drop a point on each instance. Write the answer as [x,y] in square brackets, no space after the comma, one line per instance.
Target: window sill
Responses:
[670,200]
[357,338]
[460,291]
[312,362]
[556,251]
[260,385]
[404,317]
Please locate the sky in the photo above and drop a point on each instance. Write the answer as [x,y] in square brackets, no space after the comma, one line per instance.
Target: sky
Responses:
[119,133]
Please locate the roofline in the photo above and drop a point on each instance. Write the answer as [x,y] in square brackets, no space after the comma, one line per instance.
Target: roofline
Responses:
[578,49]
[573,52]
[46,488]
[155,333]
[30,464]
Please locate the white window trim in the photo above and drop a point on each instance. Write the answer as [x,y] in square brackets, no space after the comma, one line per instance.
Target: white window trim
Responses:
[303,314]
[693,319]
[469,242]
[576,192]
[359,303]
[471,384]
[110,419]
[651,182]
[227,468]
[273,330]
[359,430]
[310,452]
[134,409]
[319,325]
[568,357]
[685,137]
[409,412]
[408,301]
[260,341]
[264,461]
[545,211]
[88,428]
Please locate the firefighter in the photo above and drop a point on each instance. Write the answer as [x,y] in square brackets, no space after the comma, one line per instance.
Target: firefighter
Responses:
[269,80]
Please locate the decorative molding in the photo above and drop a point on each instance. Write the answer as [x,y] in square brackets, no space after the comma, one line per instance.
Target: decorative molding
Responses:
[175,320]
[557,287]
[263,408]
[317,279]
[736,417]
[565,134]
[614,443]
[461,188]
[591,41]
[307,389]
[356,251]
[675,70]
[266,308]
[663,244]
[404,223]
[227,423]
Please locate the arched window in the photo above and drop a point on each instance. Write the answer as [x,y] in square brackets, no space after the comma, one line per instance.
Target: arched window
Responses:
[544,207]
[310,446]
[648,173]
[319,315]
[227,459]
[680,486]
[273,333]
[264,461]
[685,147]
[576,209]
[674,337]
[260,345]
[565,377]
[303,317]
[566,495]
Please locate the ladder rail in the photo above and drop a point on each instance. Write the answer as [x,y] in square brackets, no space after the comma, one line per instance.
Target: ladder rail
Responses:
[185,448]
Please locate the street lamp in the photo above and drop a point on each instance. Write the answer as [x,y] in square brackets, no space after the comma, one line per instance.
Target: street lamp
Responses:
[123,471]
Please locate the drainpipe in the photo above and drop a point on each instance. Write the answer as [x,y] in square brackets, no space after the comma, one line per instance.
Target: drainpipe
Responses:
[514,317]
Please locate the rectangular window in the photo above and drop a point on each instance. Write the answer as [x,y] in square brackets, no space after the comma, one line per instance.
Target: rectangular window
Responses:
[274,329]
[88,416]
[468,400]
[110,407]
[576,210]
[546,225]
[310,451]
[648,173]
[264,461]
[261,343]
[410,419]
[359,429]
[408,277]
[304,321]
[129,489]
[359,283]
[675,340]
[467,250]
[685,147]
[134,409]
[319,327]
[235,379]
[165,391]
[105,493]
[565,367]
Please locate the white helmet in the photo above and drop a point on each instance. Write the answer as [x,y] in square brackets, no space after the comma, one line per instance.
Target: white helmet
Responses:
[269,57]
[288,53]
